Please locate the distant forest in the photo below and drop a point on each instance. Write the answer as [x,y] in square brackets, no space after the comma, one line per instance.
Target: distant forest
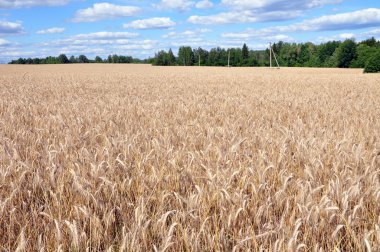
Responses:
[347,54]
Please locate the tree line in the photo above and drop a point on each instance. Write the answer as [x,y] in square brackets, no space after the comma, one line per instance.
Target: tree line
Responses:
[346,54]
[62,59]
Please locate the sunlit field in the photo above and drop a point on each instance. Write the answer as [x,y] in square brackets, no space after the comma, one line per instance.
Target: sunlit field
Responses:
[139,158]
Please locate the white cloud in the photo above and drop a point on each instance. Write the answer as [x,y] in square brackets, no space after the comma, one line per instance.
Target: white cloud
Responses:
[186,34]
[179,5]
[275,5]
[247,16]
[140,45]
[238,44]
[253,11]
[195,43]
[102,11]
[4,42]
[99,43]
[261,35]
[371,33]
[10,4]
[8,28]
[51,30]
[91,39]
[339,37]
[346,21]
[204,4]
[358,36]
[106,35]
[16,54]
[151,23]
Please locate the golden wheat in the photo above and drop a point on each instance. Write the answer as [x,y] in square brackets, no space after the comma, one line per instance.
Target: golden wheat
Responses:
[141,158]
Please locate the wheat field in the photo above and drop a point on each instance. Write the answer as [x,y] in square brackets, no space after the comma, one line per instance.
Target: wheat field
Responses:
[141,158]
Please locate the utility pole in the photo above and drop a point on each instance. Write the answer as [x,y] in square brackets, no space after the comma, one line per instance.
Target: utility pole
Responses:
[270,55]
[229,54]
[278,65]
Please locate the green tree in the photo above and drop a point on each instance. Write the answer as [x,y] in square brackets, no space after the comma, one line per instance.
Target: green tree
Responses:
[51,60]
[307,55]
[288,55]
[171,58]
[36,61]
[72,59]
[236,57]
[364,53]
[332,61]
[200,54]
[370,42]
[213,57]
[83,59]
[98,59]
[252,61]
[20,61]
[326,50]
[245,54]
[217,57]
[185,56]
[161,59]
[373,64]
[115,58]
[62,59]
[346,53]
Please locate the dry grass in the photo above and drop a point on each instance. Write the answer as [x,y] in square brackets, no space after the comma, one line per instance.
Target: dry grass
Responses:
[140,158]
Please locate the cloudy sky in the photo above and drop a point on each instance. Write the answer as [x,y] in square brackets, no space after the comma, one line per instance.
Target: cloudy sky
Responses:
[39,28]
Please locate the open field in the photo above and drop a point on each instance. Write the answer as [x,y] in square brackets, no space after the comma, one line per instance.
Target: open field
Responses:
[141,158]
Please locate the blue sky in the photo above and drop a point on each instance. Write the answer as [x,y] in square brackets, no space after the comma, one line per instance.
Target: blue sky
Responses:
[39,28]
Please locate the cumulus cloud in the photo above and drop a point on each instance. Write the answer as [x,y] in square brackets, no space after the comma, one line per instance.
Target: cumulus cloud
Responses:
[139,45]
[371,33]
[339,37]
[4,42]
[151,23]
[12,4]
[204,4]
[274,5]
[247,16]
[102,11]
[99,43]
[179,5]
[16,54]
[51,30]
[10,28]
[253,11]
[186,34]
[359,36]
[106,35]
[262,35]
[351,20]
[345,21]
[89,40]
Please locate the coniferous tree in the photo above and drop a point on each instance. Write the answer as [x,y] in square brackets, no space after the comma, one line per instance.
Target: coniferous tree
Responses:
[245,54]
[171,58]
